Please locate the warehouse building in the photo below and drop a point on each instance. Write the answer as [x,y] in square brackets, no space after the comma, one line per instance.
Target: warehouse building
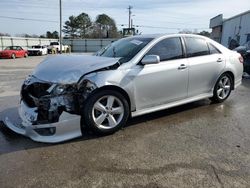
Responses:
[232,31]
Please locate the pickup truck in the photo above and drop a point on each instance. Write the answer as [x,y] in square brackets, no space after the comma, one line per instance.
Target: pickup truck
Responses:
[56,46]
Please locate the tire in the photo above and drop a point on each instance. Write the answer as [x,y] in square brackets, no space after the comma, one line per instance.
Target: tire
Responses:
[25,55]
[13,56]
[222,88]
[105,112]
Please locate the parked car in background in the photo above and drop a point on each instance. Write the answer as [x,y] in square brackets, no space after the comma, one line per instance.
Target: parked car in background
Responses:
[57,47]
[130,77]
[13,52]
[244,50]
[38,50]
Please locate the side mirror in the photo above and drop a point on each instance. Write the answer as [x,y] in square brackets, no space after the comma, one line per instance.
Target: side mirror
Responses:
[150,59]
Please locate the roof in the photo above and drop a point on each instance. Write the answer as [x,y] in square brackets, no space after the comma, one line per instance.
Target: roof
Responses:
[241,14]
[166,35]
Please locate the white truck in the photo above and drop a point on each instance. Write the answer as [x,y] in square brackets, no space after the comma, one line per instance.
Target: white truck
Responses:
[56,46]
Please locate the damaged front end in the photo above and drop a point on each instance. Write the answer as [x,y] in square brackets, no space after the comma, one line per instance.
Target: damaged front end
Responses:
[51,112]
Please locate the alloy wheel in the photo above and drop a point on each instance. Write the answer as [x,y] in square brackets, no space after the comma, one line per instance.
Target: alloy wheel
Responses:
[224,87]
[108,112]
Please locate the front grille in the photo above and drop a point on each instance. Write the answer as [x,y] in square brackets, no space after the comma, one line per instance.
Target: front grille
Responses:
[34,90]
[34,52]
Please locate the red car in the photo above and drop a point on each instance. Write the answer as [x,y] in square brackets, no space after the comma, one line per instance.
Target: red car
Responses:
[13,52]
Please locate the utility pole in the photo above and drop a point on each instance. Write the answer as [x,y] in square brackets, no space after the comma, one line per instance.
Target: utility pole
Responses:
[129,16]
[60,37]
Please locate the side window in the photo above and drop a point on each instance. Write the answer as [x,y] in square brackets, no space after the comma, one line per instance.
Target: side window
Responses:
[167,49]
[196,47]
[213,49]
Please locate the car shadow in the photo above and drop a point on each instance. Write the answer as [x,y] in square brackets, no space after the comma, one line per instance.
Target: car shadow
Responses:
[12,142]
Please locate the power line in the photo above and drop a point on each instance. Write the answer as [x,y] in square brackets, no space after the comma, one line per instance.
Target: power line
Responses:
[28,19]
[166,22]
[10,4]
[160,27]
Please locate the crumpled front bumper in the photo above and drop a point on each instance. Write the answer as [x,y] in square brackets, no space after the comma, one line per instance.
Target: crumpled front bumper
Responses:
[68,126]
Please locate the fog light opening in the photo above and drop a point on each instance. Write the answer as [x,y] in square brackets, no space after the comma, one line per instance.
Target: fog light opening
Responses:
[46,131]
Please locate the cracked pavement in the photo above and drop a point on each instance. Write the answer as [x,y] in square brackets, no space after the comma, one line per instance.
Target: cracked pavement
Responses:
[194,145]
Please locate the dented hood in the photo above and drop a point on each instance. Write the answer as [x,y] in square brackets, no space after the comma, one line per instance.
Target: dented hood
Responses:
[70,68]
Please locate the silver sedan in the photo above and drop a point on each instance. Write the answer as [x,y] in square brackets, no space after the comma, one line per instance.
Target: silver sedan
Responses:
[133,76]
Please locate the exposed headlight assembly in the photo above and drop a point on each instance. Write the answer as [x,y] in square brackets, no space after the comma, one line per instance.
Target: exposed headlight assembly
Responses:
[60,89]
[63,89]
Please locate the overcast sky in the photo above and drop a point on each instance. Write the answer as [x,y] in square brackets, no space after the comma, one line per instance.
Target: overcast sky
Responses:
[157,16]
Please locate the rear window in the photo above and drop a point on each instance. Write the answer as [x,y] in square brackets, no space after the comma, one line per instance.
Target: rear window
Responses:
[196,47]
[213,49]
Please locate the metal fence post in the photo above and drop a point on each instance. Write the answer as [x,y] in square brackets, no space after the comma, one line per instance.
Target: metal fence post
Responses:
[2,43]
[86,45]
[27,43]
[71,45]
[101,44]
[11,39]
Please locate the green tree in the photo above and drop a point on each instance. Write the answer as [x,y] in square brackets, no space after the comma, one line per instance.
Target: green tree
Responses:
[5,34]
[52,35]
[71,27]
[107,26]
[83,24]
[205,33]
[55,35]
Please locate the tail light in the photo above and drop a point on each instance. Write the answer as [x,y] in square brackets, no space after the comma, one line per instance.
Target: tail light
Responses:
[241,59]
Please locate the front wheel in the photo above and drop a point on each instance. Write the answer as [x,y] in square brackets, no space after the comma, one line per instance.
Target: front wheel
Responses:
[105,112]
[223,88]
[25,55]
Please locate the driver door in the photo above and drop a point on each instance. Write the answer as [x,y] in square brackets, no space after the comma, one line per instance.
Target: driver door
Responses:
[165,82]
[19,52]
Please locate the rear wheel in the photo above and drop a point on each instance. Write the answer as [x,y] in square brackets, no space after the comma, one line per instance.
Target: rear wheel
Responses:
[222,88]
[105,112]
[13,56]
[25,55]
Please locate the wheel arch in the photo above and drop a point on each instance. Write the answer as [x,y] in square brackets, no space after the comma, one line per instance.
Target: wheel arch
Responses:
[230,73]
[115,88]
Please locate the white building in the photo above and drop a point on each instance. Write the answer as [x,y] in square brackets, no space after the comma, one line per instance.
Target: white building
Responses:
[231,30]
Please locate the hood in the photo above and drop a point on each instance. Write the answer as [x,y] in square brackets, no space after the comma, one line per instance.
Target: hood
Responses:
[69,69]
[33,49]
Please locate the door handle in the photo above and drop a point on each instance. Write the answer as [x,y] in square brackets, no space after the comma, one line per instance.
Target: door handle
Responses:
[182,66]
[219,59]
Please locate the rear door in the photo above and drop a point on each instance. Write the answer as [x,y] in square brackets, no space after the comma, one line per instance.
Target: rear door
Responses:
[206,63]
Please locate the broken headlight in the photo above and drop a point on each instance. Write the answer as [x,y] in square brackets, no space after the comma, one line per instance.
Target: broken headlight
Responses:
[61,89]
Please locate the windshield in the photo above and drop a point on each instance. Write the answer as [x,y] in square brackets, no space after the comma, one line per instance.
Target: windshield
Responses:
[11,48]
[125,49]
[54,43]
[36,47]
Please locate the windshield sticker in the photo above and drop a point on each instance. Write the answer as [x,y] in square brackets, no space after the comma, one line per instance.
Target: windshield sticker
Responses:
[136,42]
